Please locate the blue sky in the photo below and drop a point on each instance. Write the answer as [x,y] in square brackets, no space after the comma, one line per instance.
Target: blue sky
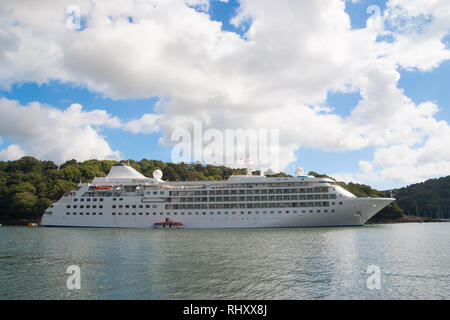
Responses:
[420,84]
[61,95]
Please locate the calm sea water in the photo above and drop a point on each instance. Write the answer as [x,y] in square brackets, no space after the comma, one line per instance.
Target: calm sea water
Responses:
[316,263]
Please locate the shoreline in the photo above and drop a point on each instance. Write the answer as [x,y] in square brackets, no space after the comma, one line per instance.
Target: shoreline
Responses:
[19,222]
[406,219]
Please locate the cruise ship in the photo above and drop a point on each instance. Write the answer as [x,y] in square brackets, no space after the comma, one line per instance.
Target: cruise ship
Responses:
[127,199]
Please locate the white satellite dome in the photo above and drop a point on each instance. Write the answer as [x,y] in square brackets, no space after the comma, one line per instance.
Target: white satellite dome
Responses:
[157,174]
[299,172]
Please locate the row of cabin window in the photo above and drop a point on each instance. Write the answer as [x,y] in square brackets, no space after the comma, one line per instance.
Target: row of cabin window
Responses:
[226,192]
[249,205]
[87,206]
[226,212]
[86,213]
[88,199]
[252,191]
[256,198]
[153,192]
[133,213]
[257,185]
[94,199]
[241,205]
[230,192]
[147,206]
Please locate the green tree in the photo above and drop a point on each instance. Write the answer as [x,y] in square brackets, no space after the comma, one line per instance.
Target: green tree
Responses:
[23,203]
[169,174]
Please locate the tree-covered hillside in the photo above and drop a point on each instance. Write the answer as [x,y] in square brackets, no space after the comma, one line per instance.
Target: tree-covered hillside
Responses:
[427,199]
[28,186]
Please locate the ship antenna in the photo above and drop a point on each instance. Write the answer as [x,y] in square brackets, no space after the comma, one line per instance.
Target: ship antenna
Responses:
[248,165]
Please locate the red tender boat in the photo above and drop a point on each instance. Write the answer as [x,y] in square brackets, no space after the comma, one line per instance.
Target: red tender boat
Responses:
[168,224]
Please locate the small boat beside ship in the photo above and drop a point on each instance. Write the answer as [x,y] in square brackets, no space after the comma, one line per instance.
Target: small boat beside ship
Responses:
[168,224]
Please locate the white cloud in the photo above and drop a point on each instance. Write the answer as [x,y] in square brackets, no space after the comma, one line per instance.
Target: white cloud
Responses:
[147,124]
[12,152]
[401,164]
[409,164]
[49,133]
[293,54]
[419,27]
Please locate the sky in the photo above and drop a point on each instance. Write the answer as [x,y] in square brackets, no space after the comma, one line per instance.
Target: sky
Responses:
[354,89]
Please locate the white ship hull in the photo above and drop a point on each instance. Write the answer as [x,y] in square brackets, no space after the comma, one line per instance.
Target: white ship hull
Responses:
[126,199]
[344,215]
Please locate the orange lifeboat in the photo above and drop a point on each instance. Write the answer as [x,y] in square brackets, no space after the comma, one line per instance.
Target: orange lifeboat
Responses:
[103,187]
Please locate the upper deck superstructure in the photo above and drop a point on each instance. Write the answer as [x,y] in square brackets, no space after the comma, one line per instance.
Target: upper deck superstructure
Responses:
[126,198]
